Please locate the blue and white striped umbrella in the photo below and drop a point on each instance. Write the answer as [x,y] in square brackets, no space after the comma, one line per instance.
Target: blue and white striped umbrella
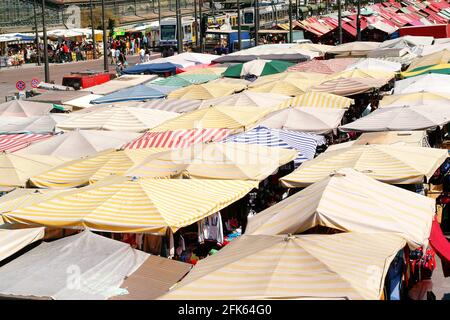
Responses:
[304,143]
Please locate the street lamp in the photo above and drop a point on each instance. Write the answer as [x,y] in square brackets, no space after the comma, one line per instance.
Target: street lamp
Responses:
[339,21]
[358,21]
[290,21]
[38,49]
[93,32]
[105,49]
[239,24]
[44,31]
[179,27]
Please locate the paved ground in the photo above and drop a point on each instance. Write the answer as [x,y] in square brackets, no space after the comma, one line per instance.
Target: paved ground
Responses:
[9,76]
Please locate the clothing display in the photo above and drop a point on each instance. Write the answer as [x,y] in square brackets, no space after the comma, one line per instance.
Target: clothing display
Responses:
[211,228]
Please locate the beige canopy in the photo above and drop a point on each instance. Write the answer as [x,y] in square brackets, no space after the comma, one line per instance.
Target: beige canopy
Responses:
[118,119]
[388,163]
[305,119]
[350,201]
[248,99]
[405,138]
[80,143]
[23,108]
[349,86]
[12,241]
[341,266]
[355,48]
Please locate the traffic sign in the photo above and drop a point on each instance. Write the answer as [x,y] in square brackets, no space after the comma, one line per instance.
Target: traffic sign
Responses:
[35,82]
[21,85]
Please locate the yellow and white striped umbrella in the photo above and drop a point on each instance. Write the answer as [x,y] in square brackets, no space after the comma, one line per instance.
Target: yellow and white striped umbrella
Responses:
[206,91]
[318,100]
[340,266]
[216,117]
[388,163]
[118,119]
[352,202]
[16,169]
[216,161]
[120,204]
[81,172]
[363,73]
[415,99]
[286,87]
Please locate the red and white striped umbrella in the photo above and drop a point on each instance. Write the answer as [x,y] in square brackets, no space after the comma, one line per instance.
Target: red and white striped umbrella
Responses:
[177,138]
[14,142]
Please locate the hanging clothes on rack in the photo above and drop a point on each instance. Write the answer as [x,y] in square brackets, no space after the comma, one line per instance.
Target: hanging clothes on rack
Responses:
[211,228]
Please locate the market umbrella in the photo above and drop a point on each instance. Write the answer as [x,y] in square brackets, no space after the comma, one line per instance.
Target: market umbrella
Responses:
[120,204]
[118,119]
[247,98]
[15,142]
[305,119]
[415,99]
[290,77]
[436,83]
[180,138]
[293,267]
[289,87]
[183,80]
[216,117]
[318,100]
[364,73]
[349,201]
[235,161]
[443,68]
[210,70]
[304,143]
[401,138]
[90,169]
[419,117]
[37,124]
[323,66]
[355,48]
[407,42]
[430,60]
[23,108]
[256,67]
[137,93]
[321,49]
[205,91]
[348,86]
[387,163]
[80,143]
[375,64]
[233,81]
[170,105]
[16,169]
[13,240]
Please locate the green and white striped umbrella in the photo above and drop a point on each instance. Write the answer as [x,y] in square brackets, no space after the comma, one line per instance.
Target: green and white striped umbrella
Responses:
[258,67]
[181,80]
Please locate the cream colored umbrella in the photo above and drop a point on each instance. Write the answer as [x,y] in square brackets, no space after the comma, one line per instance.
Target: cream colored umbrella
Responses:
[236,161]
[432,82]
[16,169]
[248,99]
[375,74]
[355,48]
[80,143]
[401,118]
[430,59]
[349,86]
[387,163]
[415,99]
[350,201]
[118,119]
[401,138]
[341,266]
[305,119]
[120,204]
[23,108]
[81,172]
[12,241]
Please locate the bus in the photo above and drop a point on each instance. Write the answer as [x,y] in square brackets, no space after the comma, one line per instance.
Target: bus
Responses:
[168,32]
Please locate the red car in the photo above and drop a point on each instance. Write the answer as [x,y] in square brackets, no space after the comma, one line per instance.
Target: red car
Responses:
[86,79]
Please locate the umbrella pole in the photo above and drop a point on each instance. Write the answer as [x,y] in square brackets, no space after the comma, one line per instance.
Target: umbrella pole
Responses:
[44,30]
[290,21]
